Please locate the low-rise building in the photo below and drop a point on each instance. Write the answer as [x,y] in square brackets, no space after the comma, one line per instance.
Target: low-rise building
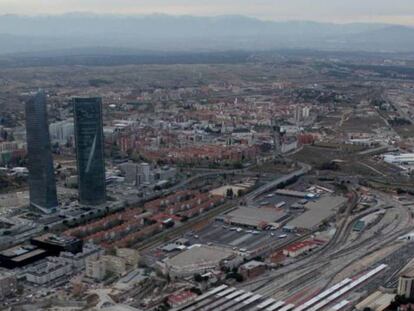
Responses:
[131,256]
[299,248]
[406,281]
[377,301]
[8,284]
[181,298]
[114,264]
[95,269]
[48,271]
[197,259]
[78,261]
[252,269]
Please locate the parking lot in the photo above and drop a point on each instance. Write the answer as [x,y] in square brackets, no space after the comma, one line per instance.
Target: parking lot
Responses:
[241,239]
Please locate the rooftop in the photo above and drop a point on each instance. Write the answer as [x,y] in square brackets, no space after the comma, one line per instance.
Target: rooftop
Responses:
[54,239]
[252,216]
[199,255]
[317,211]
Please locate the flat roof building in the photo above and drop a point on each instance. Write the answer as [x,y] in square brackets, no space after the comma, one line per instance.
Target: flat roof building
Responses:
[55,244]
[21,255]
[317,211]
[253,217]
[197,259]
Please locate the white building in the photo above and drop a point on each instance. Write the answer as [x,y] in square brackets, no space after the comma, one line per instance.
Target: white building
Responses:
[78,261]
[95,269]
[48,271]
[62,132]
[399,159]
[145,170]
[305,112]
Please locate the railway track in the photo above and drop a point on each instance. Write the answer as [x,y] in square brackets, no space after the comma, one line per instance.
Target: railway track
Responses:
[326,254]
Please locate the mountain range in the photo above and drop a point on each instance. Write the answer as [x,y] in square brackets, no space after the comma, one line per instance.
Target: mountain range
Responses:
[90,32]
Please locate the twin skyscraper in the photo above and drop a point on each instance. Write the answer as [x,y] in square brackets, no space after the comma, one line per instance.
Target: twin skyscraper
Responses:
[89,142]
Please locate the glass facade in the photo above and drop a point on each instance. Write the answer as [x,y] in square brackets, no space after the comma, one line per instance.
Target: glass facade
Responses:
[40,161]
[90,150]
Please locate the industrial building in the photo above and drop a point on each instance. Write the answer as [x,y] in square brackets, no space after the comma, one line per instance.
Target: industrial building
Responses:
[317,211]
[256,218]
[252,269]
[299,248]
[90,150]
[198,259]
[42,182]
[296,194]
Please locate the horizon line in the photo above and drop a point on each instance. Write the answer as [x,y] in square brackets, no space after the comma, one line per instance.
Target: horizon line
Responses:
[269,20]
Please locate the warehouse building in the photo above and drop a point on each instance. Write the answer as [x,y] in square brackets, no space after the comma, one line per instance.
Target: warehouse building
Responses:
[199,259]
[256,218]
[317,211]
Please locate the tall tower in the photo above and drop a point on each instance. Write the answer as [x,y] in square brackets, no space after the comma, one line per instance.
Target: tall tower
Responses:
[90,150]
[40,161]
[276,136]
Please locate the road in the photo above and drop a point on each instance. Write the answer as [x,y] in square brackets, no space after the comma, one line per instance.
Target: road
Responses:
[177,231]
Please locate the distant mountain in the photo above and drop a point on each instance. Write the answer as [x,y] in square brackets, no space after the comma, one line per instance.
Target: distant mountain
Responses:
[189,33]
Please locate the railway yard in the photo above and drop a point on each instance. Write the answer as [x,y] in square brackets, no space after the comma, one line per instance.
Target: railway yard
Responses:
[349,265]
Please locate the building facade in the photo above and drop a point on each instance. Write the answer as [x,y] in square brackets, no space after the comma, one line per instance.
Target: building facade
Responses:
[8,285]
[90,150]
[406,286]
[62,132]
[40,162]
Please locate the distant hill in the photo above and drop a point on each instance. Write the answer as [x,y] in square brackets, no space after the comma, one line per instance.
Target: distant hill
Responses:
[188,33]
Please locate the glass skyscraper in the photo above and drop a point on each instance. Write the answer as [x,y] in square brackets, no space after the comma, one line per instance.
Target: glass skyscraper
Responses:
[90,150]
[40,161]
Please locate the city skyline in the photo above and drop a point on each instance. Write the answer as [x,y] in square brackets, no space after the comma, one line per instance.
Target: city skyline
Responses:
[396,12]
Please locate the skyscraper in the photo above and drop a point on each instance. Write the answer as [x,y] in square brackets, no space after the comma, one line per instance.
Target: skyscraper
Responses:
[40,161]
[90,150]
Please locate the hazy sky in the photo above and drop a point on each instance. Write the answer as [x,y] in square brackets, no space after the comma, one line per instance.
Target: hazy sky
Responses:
[391,11]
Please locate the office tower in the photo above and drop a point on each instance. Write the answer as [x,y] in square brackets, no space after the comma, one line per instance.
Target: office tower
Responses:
[90,150]
[297,114]
[40,162]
